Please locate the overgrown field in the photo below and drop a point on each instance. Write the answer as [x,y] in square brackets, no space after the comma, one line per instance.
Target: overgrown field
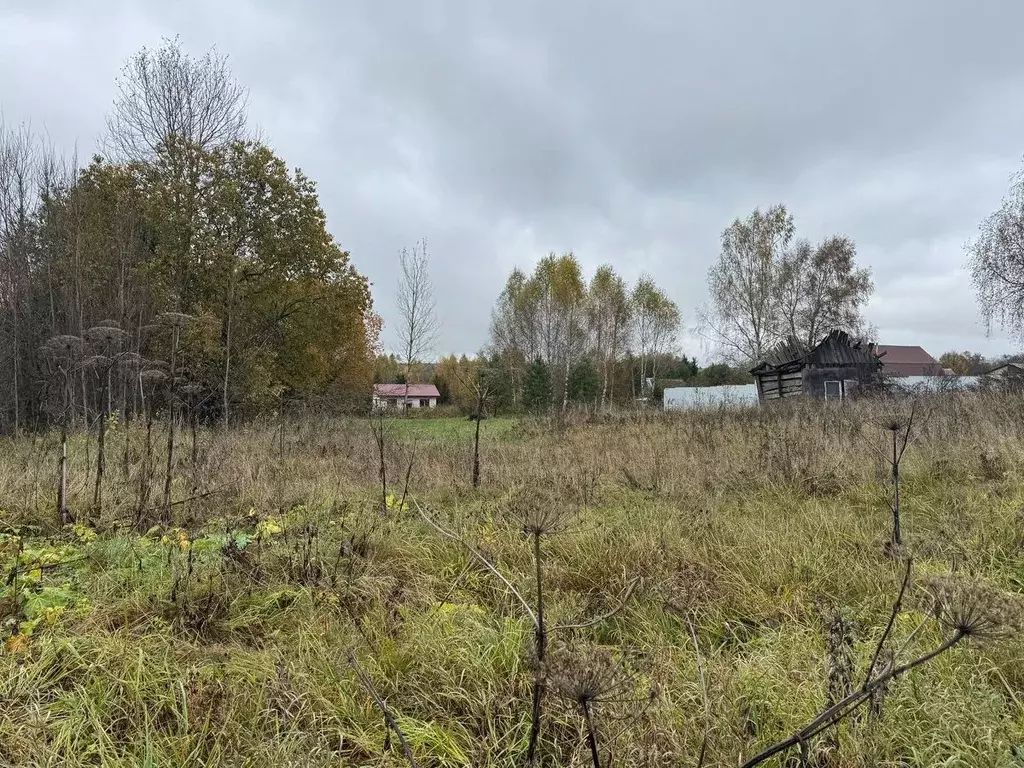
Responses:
[694,569]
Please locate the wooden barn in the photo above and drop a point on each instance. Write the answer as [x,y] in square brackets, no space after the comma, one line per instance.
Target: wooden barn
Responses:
[834,369]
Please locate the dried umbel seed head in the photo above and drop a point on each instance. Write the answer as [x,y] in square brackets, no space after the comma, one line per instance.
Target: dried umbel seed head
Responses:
[104,333]
[152,376]
[175,319]
[62,346]
[97,362]
[894,425]
[583,675]
[539,512]
[974,608]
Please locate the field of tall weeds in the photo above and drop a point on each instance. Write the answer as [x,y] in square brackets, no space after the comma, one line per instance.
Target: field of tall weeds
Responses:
[708,584]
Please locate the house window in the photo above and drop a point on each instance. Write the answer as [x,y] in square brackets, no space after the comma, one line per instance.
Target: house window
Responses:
[395,402]
[424,402]
[833,390]
[850,387]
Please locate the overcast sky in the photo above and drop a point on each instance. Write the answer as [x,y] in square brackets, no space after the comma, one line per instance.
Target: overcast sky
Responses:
[630,133]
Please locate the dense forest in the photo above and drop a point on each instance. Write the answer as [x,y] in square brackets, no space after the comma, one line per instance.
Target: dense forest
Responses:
[187,263]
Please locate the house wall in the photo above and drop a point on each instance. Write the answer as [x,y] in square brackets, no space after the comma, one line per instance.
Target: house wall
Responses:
[411,402]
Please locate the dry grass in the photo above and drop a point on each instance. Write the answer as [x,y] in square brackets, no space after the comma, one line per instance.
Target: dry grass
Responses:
[225,642]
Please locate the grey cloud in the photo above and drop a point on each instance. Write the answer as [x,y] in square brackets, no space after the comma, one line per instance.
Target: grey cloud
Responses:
[630,133]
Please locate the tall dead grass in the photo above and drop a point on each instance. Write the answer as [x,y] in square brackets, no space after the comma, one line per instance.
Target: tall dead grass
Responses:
[755,527]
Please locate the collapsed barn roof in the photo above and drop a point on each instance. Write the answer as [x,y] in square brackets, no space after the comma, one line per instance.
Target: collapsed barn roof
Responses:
[835,350]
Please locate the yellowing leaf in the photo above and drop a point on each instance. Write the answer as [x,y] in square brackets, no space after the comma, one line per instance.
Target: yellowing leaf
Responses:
[17,645]
[269,527]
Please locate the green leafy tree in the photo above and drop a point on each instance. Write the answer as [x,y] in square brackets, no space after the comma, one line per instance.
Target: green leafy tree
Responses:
[537,387]
[500,383]
[584,382]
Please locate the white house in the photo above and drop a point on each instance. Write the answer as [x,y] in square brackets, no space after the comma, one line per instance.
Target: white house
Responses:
[403,396]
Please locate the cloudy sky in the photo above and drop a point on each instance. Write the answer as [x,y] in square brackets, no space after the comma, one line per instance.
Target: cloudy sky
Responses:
[630,133]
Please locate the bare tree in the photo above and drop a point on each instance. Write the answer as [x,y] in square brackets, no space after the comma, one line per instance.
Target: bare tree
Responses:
[17,203]
[417,311]
[166,95]
[821,289]
[743,319]
[996,261]
[765,289]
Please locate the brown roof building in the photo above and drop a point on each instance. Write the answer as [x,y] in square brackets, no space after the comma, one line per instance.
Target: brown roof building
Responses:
[900,360]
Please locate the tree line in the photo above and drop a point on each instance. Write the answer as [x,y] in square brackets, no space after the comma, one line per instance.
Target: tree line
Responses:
[188,258]
[556,337]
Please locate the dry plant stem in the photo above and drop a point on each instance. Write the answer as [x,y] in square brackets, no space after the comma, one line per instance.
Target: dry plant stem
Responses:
[476,445]
[840,710]
[101,456]
[703,694]
[588,715]
[541,639]
[405,488]
[604,616]
[172,392]
[896,607]
[389,718]
[481,559]
[382,471]
[62,480]
[900,439]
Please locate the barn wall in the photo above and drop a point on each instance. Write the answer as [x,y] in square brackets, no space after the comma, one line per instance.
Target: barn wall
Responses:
[815,378]
[774,386]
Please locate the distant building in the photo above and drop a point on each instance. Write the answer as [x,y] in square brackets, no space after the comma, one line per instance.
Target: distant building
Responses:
[1007,371]
[403,396]
[834,369]
[900,360]
[691,398]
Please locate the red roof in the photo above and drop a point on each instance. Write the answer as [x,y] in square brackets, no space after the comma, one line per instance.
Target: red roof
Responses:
[399,390]
[898,360]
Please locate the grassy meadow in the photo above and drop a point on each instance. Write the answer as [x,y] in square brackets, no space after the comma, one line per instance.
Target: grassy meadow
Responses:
[696,571]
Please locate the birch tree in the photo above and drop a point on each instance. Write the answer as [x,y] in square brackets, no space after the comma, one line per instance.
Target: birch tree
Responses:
[743,320]
[418,326]
[656,321]
[609,315]
[820,288]
[996,261]
[768,286]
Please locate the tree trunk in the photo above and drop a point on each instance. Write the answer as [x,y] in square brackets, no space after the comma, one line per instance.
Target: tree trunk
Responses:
[227,350]
[604,383]
[565,386]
